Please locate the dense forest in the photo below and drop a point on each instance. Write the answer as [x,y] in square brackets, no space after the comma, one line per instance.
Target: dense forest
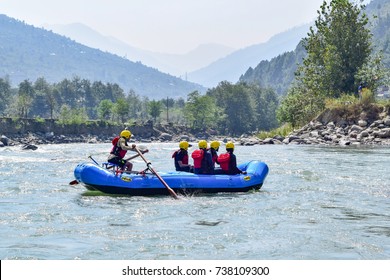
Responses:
[228,108]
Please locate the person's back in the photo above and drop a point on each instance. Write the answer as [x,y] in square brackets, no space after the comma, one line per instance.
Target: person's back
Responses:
[228,161]
[214,147]
[202,159]
[181,157]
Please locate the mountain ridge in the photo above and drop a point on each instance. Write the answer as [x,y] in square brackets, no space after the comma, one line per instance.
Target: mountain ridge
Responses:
[174,64]
[29,52]
[240,61]
[229,65]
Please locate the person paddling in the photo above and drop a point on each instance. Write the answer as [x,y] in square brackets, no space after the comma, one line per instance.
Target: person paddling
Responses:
[119,150]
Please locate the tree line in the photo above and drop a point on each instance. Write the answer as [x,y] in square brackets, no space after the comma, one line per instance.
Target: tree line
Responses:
[228,108]
[339,59]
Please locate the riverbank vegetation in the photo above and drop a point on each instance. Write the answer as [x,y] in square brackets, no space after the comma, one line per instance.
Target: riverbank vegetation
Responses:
[340,70]
[227,109]
[340,67]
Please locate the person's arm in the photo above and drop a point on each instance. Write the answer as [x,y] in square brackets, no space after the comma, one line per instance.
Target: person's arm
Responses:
[233,161]
[122,143]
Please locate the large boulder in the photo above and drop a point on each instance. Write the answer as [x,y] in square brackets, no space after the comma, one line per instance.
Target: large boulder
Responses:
[4,140]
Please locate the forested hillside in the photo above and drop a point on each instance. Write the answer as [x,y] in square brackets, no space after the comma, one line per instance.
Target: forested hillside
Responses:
[27,52]
[278,73]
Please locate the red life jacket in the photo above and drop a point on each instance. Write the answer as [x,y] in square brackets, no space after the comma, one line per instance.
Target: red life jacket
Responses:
[184,159]
[115,140]
[197,155]
[224,160]
[116,150]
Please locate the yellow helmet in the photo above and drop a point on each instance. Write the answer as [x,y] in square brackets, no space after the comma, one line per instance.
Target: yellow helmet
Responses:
[126,134]
[215,144]
[202,144]
[229,145]
[184,145]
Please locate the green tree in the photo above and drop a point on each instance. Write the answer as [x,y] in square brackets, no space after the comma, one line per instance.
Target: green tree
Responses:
[236,108]
[298,107]
[337,47]
[155,109]
[121,110]
[5,92]
[265,103]
[374,74]
[105,109]
[44,101]
[72,116]
[135,105]
[25,98]
[199,110]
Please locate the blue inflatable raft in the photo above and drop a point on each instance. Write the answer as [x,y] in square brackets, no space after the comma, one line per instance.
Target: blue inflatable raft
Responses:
[95,177]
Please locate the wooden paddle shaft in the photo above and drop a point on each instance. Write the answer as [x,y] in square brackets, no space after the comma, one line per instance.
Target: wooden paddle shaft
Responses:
[172,192]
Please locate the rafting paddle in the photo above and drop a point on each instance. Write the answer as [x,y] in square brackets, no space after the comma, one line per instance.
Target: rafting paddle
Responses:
[149,165]
[137,155]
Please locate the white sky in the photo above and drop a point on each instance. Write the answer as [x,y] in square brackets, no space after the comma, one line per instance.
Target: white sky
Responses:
[172,26]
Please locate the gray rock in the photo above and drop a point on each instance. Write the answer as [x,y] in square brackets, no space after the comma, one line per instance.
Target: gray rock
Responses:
[184,138]
[165,137]
[268,141]
[4,140]
[331,125]
[356,128]
[362,123]
[49,135]
[384,133]
[29,147]
[363,134]
[279,138]
[344,142]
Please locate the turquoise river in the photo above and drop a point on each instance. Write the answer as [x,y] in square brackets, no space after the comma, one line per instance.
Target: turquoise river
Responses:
[317,203]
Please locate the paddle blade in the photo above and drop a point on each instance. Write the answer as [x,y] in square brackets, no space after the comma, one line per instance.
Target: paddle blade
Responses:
[74,182]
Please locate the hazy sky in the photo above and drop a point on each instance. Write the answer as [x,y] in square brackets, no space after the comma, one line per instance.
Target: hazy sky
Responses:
[174,26]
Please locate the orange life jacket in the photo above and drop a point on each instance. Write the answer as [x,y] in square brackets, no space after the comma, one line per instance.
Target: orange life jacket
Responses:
[224,160]
[197,155]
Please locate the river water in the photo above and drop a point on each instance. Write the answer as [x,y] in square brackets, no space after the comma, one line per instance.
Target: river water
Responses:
[317,203]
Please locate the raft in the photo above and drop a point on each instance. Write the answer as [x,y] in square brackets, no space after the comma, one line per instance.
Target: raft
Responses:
[96,177]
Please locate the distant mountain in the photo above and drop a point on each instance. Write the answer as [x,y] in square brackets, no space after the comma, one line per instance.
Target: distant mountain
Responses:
[175,64]
[379,11]
[231,67]
[277,73]
[28,52]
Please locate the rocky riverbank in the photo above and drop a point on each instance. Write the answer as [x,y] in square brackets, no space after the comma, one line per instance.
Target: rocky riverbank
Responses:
[348,125]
